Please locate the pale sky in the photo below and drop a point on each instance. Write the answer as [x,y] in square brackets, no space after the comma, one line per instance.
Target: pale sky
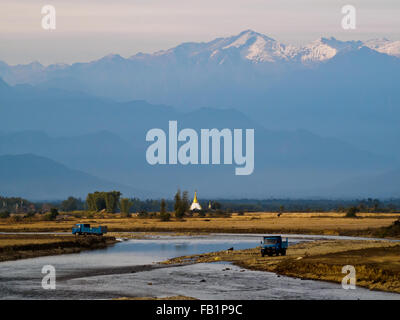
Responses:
[90,29]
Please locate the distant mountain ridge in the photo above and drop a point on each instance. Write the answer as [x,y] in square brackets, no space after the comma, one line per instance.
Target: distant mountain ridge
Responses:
[39,178]
[106,139]
[324,113]
[237,71]
[248,45]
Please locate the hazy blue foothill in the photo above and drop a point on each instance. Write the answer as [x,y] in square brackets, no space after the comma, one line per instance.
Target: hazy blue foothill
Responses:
[40,178]
[324,127]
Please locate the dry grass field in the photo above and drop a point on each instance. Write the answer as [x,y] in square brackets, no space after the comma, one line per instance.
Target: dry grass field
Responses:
[22,246]
[306,223]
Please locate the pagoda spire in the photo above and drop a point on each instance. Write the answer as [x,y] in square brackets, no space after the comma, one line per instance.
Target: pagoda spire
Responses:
[195,204]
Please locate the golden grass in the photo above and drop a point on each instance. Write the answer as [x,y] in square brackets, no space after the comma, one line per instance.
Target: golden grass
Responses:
[22,239]
[311,223]
[22,246]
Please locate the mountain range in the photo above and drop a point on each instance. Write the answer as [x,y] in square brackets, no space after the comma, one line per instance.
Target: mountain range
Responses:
[326,86]
[325,116]
[247,46]
[39,178]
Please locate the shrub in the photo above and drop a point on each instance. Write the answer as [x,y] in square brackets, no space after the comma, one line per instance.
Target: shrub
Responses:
[143,214]
[202,213]
[391,231]
[351,212]
[4,214]
[16,218]
[52,215]
[165,216]
[30,214]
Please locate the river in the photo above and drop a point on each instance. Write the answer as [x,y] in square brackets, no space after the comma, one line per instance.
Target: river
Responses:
[129,269]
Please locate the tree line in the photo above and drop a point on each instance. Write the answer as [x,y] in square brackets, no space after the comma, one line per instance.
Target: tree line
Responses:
[112,202]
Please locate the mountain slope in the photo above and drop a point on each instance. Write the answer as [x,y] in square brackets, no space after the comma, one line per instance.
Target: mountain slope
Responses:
[85,133]
[38,178]
[384,185]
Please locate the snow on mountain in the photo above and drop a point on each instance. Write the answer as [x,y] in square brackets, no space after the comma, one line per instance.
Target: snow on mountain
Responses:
[258,48]
[384,45]
[326,48]
[317,51]
[248,45]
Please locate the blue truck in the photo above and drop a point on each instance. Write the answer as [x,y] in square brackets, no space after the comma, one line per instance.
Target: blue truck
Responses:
[274,245]
[85,229]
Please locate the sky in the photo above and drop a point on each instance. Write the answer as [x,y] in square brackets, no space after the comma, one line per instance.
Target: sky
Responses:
[90,29]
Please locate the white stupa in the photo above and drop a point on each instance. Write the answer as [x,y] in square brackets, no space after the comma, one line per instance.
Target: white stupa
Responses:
[195,204]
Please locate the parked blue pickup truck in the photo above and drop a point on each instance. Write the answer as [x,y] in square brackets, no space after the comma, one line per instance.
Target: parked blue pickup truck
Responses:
[274,245]
[84,228]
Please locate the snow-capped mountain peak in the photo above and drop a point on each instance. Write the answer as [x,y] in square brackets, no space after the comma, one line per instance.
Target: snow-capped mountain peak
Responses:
[255,47]
[384,45]
[326,48]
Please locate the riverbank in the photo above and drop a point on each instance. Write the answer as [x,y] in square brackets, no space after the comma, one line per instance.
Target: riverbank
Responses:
[366,224]
[377,263]
[23,246]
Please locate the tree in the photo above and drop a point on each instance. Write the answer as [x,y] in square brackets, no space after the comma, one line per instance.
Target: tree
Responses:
[216,205]
[164,215]
[178,206]
[4,214]
[125,205]
[71,204]
[185,201]
[112,199]
[98,201]
[52,215]
[351,212]
[376,205]
[177,199]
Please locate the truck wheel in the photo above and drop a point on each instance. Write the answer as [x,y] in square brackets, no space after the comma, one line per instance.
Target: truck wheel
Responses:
[283,252]
[269,254]
[262,254]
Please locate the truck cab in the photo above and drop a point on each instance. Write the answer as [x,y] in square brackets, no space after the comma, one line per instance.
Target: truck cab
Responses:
[273,245]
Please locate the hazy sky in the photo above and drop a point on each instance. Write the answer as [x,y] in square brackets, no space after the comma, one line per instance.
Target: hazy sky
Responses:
[89,29]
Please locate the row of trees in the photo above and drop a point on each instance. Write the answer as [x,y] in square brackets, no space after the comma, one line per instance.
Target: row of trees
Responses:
[16,204]
[72,204]
[111,202]
[107,201]
[182,204]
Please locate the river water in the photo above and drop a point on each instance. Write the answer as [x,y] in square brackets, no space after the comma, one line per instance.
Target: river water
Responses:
[129,269]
